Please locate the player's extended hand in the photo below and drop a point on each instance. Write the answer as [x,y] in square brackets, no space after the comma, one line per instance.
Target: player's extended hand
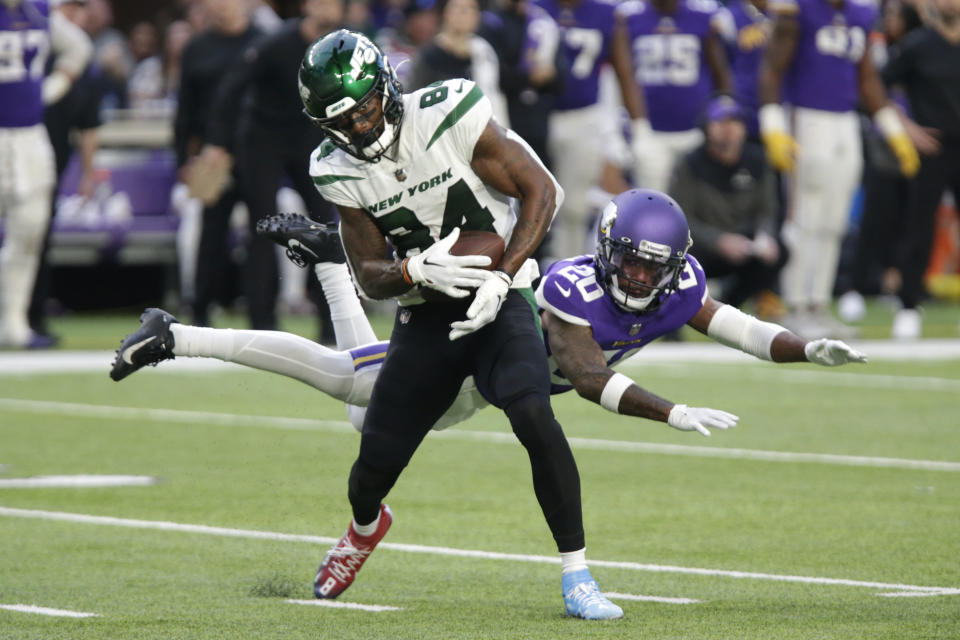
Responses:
[832,353]
[700,419]
[781,149]
[448,274]
[485,305]
[906,153]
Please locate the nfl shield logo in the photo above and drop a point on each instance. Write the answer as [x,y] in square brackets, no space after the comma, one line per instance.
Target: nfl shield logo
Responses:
[405,316]
[635,329]
[400,175]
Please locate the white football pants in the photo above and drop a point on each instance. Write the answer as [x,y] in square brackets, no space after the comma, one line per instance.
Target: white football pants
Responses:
[26,187]
[829,164]
[577,150]
[653,172]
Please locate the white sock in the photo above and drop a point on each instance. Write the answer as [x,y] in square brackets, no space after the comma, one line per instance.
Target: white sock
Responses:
[350,323]
[574,560]
[367,529]
[290,355]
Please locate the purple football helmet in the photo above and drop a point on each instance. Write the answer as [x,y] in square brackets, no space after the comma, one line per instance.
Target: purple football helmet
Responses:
[642,244]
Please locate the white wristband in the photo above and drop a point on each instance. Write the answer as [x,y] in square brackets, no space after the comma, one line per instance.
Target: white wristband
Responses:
[888,121]
[734,328]
[772,118]
[616,386]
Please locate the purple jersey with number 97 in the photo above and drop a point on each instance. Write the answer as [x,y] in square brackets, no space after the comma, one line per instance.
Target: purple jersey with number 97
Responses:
[570,291]
[585,34]
[831,44]
[24,44]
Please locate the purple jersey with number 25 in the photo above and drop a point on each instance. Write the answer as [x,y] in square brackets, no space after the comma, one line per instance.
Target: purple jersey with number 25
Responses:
[570,291]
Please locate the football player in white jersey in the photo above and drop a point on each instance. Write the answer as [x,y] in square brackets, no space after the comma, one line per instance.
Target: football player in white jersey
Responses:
[589,307]
[28,32]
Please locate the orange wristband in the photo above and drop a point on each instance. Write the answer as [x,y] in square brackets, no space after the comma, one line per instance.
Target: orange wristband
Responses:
[404,272]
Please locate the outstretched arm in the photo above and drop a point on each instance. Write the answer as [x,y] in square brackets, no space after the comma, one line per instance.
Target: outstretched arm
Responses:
[581,360]
[766,340]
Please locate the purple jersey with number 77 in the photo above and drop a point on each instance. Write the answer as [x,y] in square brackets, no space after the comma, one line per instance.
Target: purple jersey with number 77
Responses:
[569,290]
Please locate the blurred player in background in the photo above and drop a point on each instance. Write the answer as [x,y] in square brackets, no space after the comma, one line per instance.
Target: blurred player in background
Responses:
[679,62]
[816,56]
[582,130]
[746,27]
[28,31]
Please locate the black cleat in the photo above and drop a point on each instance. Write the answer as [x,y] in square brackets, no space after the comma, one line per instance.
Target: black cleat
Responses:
[148,345]
[307,242]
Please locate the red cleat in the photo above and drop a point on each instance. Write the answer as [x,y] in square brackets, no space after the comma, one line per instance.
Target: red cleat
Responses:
[343,561]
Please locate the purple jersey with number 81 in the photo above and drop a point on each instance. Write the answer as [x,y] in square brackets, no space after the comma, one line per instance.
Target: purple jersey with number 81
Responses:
[570,291]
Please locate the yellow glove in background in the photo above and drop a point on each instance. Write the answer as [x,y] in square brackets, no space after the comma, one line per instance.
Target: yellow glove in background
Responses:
[781,150]
[906,153]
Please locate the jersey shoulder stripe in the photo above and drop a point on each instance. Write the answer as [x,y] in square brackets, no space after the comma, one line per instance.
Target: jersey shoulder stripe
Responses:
[474,95]
[322,181]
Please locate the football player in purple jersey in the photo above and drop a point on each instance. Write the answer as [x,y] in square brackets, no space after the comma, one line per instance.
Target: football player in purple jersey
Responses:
[679,61]
[816,55]
[746,29]
[595,310]
[582,128]
[28,32]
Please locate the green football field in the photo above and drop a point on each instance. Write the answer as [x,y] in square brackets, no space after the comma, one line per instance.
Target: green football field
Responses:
[831,511]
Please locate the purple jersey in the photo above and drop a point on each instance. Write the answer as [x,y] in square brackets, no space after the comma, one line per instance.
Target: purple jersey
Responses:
[585,32]
[570,291]
[670,60]
[832,42]
[24,44]
[749,33]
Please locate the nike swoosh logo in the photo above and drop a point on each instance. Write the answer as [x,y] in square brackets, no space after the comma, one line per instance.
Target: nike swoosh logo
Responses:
[296,244]
[460,88]
[565,292]
[129,351]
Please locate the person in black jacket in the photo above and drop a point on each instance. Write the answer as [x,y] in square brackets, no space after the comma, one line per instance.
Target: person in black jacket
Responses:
[206,59]
[526,40]
[728,192]
[927,66]
[274,141]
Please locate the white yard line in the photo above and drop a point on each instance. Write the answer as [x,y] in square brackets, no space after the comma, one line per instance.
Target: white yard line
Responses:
[629,596]
[335,604]
[461,553]
[46,611]
[76,481]
[73,409]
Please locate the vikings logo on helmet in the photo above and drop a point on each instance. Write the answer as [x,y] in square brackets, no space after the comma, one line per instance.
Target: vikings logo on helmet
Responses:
[645,228]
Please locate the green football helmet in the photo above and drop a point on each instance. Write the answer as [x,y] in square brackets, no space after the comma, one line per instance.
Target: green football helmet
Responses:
[340,75]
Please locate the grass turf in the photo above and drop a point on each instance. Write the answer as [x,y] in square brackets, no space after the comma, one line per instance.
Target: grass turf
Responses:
[807,519]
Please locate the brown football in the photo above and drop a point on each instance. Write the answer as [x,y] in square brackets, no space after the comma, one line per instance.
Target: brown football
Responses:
[471,243]
[480,243]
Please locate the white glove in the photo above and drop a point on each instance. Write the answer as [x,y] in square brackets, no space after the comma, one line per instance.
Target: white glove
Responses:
[448,274]
[485,305]
[831,353]
[687,418]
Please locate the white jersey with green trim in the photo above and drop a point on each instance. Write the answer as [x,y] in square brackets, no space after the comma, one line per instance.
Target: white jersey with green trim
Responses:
[425,186]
